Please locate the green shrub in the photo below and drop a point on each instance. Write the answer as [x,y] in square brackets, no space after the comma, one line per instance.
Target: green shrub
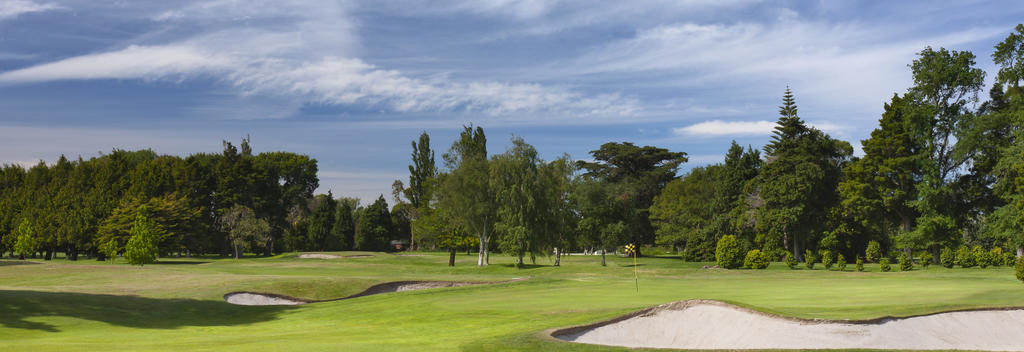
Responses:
[926,259]
[946,257]
[841,262]
[995,257]
[965,257]
[809,259]
[884,265]
[1009,259]
[755,259]
[728,253]
[906,264]
[791,260]
[981,257]
[827,259]
[1018,268]
[860,264]
[874,252]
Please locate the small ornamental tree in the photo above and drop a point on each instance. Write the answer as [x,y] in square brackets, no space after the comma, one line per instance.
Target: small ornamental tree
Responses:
[926,259]
[109,250]
[809,259]
[141,248]
[965,257]
[874,252]
[25,241]
[995,256]
[826,259]
[756,259]
[791,260]
[947,258]
[1018,268]
[906,263]
[860,264]
[728,253]
[981,256]
[1009,259]
[884,265]
[841,262]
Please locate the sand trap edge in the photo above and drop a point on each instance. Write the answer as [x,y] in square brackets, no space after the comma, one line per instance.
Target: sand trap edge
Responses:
[556,333]
[386,287]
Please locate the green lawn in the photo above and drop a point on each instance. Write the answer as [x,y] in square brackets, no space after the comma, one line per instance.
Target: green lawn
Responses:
[177,305]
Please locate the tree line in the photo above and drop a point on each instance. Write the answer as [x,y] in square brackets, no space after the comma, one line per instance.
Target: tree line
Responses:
[941,170]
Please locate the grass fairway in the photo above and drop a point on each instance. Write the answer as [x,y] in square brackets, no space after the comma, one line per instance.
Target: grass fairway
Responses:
[177,305]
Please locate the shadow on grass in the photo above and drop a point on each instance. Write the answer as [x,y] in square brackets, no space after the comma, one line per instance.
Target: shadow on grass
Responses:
[177,262]
[17,307]
[15,262]
[524,266]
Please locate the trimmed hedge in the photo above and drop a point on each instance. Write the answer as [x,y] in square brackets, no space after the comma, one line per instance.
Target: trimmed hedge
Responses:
[906,264]
[791,260]
[826,259]
[965,257]
[860,264]
[874,252]
[947,258]
[809,259]
[755,260]
[728,253]
[884,265]
[926,259]
[1018,268]
[841,262]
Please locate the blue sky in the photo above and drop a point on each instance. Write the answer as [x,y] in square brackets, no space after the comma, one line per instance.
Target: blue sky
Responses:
[351,83]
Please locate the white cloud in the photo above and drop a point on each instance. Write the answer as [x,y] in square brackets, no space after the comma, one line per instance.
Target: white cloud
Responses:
[716,128]
[727,128]
[310,58]
[14,8]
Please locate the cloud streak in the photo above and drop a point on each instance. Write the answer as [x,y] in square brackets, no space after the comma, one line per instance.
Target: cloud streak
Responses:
[10,9]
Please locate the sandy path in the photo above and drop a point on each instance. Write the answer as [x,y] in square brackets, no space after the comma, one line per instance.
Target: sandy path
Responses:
[714,325]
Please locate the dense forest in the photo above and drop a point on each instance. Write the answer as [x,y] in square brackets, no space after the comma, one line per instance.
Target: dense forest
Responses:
[943,169]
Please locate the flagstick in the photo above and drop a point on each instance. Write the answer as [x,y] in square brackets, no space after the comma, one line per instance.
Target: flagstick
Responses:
[636,279]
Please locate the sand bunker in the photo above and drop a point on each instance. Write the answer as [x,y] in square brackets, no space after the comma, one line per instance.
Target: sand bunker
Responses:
[318,256]
[267,299]
[717,325]
[260,299]
[330,256]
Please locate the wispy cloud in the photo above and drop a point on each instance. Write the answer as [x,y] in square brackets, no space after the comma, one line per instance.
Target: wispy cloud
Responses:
[307,64]
[13,8]
[726,128]
[718,128]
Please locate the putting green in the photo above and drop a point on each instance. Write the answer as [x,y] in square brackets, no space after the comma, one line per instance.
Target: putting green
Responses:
[178,304]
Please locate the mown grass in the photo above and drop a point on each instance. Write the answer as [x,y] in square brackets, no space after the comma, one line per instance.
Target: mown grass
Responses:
[178,305]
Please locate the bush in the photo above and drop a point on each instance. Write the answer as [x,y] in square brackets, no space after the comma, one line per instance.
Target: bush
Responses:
[826,259]
[906,264]
[860,264]
[874,252]
[809,259]
[756,259]
[841,262]
[791,260]
[981,257]
[1018,268]
[884,265]
[1009,259]
[994,257]
[926,259]
[728,252]
[965,258]
[946,257]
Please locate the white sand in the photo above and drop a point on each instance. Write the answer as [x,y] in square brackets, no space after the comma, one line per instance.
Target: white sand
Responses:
[256,299]
[318,256]
[712,325]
